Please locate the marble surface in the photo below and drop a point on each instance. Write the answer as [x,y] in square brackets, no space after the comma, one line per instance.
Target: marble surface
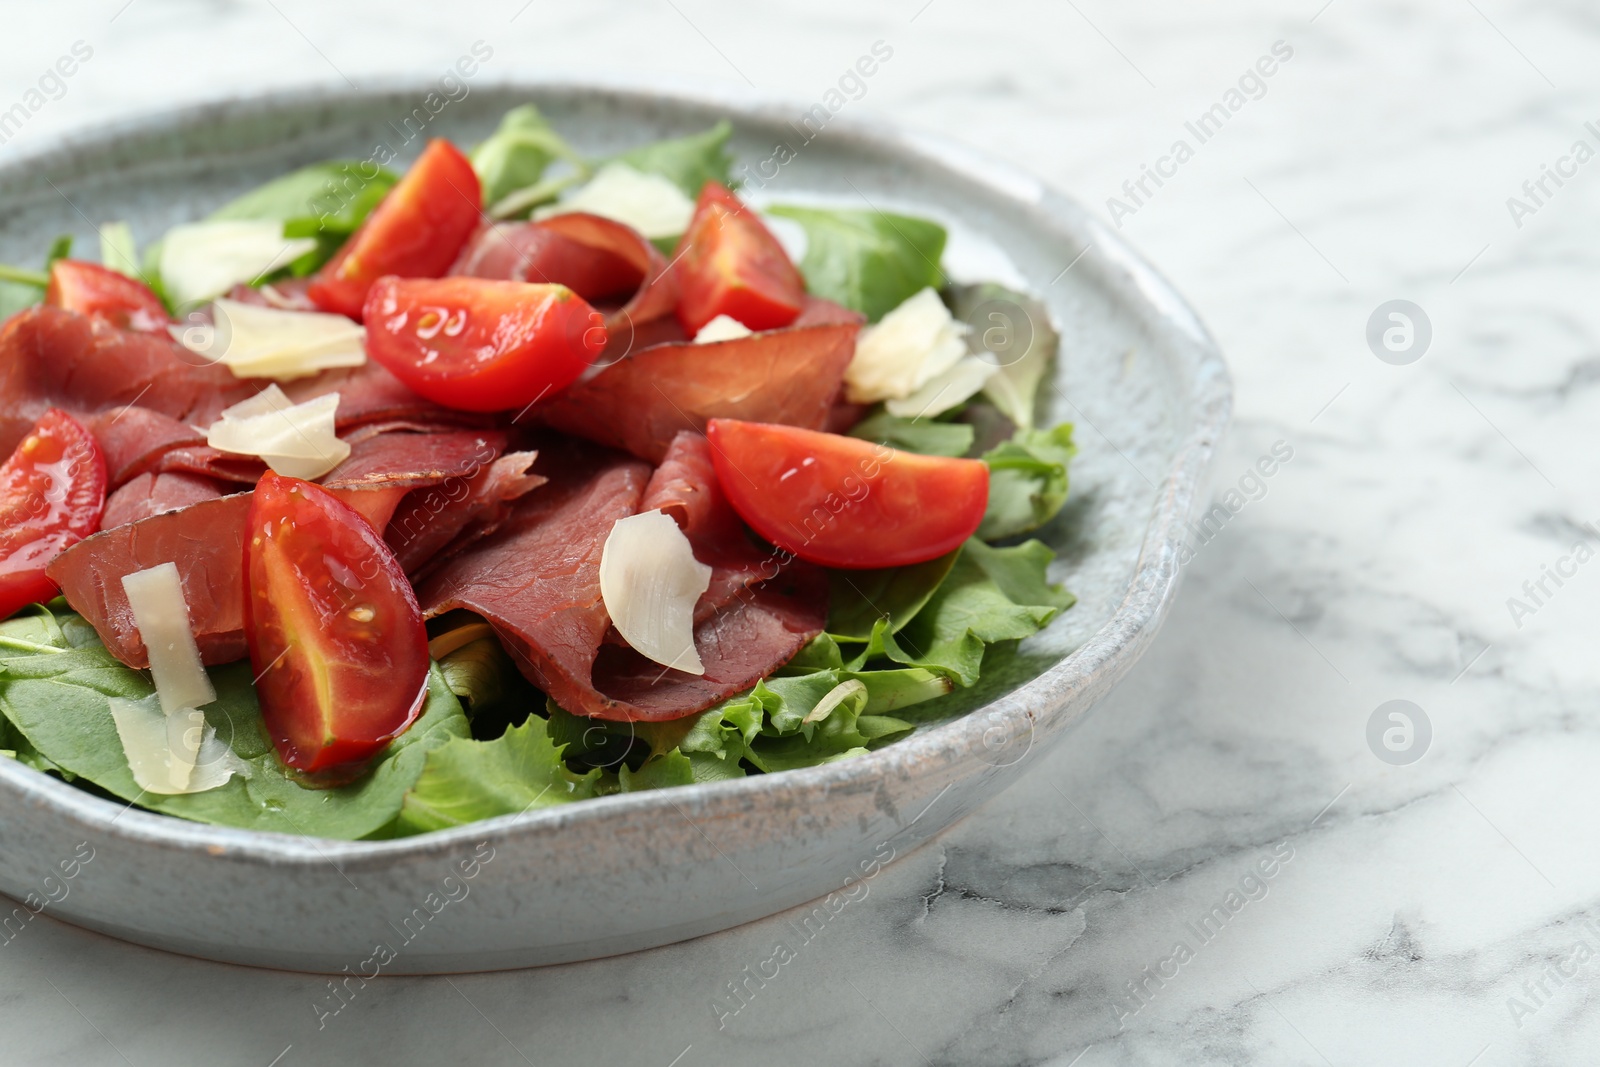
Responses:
[1362,910]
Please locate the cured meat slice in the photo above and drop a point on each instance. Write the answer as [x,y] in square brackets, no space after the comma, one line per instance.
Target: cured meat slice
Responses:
[431,524]
[537,581]
[595,257]
[640,403]
[53,357]
[206,540]
[133,439]
[685,487]
[405,459]
[152,494]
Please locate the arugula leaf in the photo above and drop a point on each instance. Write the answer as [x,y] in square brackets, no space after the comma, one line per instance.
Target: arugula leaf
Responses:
[1027,481]
[991,594]
[515,156]
[688,162]
[466,780]
[860,599]
[58,701]
[870,261]
[916,435]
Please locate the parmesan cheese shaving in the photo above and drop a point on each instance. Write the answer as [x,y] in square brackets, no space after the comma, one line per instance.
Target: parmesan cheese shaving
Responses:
[648,202]
[200,260]
[650,581]
[908,348]
[265,342]
[162,614]
[944,391]
[722,328]
[172,754]
[296,440]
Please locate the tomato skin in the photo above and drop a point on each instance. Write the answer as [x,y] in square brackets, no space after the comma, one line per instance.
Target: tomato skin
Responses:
[415,232]
[91,289]
[52,494]
[843,502]
[335,634]
[728,263]
[478,344]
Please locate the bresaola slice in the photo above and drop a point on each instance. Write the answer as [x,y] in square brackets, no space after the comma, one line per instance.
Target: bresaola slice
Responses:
[685,487]
[536,580]
[206,540]
[640,403]
[155,494]
[50,357]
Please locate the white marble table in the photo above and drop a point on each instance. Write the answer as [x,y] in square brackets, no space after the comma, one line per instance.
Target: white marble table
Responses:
[1432,912]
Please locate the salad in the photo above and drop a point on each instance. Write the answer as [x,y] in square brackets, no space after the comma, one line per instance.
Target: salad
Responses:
[376,503]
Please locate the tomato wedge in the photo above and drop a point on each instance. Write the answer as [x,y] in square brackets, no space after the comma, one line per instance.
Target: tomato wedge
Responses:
[416,231]
[843,502]
[91,289]
[478,344]
[52,494]
[335,635]
[728,263]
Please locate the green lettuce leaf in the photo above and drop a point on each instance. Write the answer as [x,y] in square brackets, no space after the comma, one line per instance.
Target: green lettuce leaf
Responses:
[1027,481]
[915,435]
[860,599]
[991,594]
[870,261]
[688,162]
[517,154]
[58,701]
[466,780]
[1016,332]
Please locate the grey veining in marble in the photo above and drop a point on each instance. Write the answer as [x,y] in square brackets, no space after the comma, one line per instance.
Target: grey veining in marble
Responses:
[1430,913]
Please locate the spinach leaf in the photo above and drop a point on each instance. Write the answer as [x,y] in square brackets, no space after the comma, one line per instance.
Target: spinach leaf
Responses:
[466,780]
[515,156]
[870,261]
[58,701]
[916,435]
[330,198]
[688,162]
[1014,332]
[1027,481]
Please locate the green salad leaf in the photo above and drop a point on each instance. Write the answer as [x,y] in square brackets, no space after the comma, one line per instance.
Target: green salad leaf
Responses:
[991,594]
[517,154]
[1015,330]
[860,599]
[21,288]
[323,198]
[927,436]
[1027,481]
[870,261]
[465,780]
[688,162]
[55,695]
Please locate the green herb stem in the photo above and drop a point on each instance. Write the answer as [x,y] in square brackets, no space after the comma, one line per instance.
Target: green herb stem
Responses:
[23,277]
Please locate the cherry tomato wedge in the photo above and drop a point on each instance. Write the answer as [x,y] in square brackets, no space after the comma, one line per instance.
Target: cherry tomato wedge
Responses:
[91,289]
[415,232]
[843,502]
[478,344]
[728,263]
[52,493]
[336,638]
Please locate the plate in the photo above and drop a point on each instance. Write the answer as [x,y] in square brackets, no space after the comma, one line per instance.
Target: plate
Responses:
[1138,374]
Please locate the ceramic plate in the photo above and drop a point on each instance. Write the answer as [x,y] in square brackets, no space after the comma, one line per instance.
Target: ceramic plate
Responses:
[1137,373]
